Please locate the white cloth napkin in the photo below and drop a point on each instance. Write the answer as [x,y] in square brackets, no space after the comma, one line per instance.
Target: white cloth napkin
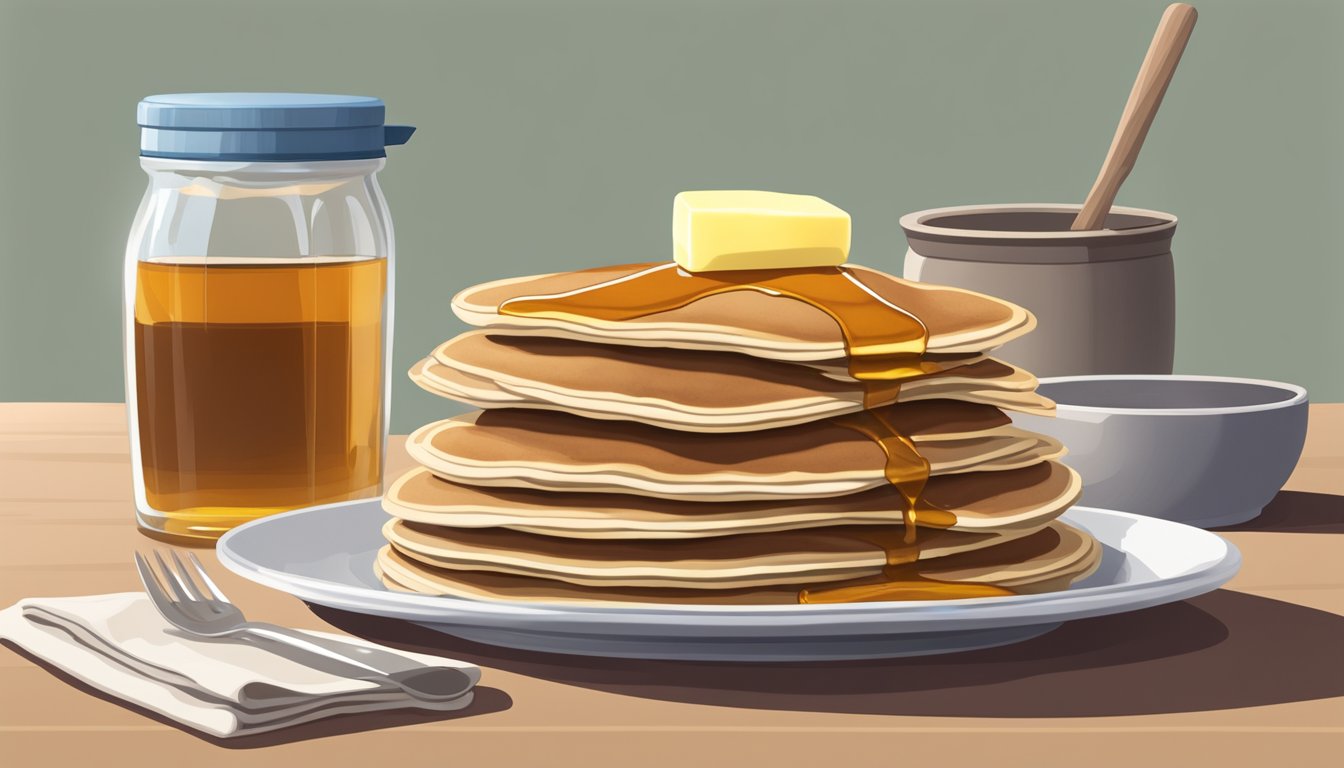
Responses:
[120,645]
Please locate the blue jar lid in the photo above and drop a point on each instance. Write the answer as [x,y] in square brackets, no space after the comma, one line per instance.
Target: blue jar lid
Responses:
[261,127]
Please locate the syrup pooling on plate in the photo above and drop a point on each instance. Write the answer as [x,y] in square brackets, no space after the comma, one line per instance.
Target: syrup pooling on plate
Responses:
[882,341]
[883,345]
[902,584]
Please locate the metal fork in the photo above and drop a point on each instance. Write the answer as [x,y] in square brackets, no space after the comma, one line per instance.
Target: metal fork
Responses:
[192,610]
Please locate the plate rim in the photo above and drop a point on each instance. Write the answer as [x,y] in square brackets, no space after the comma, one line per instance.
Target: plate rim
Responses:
[1058,606]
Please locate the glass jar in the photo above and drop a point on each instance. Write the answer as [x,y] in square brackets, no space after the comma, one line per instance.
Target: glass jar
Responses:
[257,310]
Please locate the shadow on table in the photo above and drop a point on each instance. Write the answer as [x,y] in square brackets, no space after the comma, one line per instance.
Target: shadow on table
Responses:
[1298,512]
[1223,650]
[486,700]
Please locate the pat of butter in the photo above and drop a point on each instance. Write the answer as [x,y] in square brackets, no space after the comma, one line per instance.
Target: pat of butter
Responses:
[726,230]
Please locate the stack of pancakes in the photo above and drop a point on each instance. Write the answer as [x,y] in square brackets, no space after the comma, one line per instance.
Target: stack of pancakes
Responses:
[724,452]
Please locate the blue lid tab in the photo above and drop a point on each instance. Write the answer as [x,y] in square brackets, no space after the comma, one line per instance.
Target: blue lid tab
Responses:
[396,135]
[265,127]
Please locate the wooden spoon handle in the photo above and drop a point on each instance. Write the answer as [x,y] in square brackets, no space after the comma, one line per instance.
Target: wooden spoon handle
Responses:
[1173,32]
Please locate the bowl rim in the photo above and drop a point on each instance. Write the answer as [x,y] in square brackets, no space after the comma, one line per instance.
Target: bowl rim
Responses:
[917,223]
[1299,395]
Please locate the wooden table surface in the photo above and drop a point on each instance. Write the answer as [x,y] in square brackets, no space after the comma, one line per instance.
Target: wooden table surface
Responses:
[1252,674]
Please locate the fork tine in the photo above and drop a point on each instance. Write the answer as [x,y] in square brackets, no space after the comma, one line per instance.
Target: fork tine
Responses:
[153,588]
[205,578]
[174,581]
[183,573]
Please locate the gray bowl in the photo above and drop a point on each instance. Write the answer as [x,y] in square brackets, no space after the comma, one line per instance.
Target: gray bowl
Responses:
[1202,450]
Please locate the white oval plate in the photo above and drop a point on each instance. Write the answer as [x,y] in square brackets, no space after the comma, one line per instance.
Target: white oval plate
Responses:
[324,555]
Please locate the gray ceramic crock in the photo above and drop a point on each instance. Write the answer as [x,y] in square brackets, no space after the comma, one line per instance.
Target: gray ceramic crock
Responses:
[1105,301]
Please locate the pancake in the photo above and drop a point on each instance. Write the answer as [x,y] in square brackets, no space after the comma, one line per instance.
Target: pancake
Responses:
[722,562]
[561,452]
[688,390]
[1012,500]
[748,322]
[972,386]
[1047,560]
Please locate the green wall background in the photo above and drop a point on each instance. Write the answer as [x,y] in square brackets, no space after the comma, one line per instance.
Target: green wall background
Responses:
[553,135]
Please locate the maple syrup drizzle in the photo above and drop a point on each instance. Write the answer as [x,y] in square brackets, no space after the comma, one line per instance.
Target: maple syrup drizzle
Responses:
[905,468]
[883,345]
[882,341]
[878,393]
[908,471]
